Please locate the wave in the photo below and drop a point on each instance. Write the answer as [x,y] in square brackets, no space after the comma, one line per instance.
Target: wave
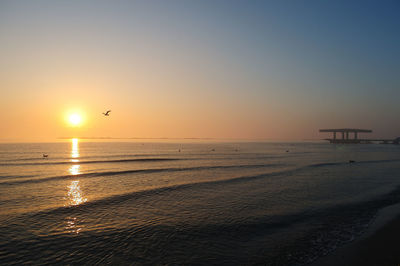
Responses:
[93,162]
[16,176]
[137,171]
[158,170]
[332,226]
[115,199]
[39,157]
[49,161]
[325,164]
[355,162]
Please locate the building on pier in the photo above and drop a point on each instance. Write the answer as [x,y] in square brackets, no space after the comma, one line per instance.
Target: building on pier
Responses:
[346,138]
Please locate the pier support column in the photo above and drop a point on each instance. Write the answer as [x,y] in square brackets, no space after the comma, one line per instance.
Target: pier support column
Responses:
[334,135]
[342,135]
[355,135]
[347,135]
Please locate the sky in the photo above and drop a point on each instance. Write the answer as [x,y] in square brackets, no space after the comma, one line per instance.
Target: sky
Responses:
[254,70]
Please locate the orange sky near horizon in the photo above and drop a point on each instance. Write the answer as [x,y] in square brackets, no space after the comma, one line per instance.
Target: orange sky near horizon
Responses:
[155,103]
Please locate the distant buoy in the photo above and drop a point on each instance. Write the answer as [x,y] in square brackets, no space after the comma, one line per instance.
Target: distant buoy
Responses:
[351,161]
[45,155]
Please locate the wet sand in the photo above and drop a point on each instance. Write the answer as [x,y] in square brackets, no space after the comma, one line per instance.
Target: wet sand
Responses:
[379,245]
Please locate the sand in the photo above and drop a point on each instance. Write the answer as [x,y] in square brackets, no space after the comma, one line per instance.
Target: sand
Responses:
[379,245]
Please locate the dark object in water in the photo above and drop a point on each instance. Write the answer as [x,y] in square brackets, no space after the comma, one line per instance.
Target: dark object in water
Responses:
[213,150]
[351,161]
[287,151]
[45,155]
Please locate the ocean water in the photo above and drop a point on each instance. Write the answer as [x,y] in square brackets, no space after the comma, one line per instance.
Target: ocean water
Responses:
[188,203]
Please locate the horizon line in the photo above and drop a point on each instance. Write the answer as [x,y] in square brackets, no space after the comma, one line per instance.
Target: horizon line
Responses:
[188,138]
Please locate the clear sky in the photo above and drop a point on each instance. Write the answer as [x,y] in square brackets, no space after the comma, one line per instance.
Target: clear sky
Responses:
[207,69]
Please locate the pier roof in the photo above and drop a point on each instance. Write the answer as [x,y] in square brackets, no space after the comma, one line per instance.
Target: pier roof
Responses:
[346,130]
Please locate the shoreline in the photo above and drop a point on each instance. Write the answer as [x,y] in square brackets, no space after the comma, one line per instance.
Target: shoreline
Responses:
[378,245]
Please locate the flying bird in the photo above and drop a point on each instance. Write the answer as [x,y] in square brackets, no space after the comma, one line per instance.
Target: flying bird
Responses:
[107,113]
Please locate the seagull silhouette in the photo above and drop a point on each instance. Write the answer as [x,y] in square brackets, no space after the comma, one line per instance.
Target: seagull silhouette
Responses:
[107,113]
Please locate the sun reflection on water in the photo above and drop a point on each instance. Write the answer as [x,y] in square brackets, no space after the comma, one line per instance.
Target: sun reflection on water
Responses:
[75,195]
[74,169]
[75,150]
[72,225]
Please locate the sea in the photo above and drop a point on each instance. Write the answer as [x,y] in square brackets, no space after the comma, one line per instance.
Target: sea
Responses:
[189,203]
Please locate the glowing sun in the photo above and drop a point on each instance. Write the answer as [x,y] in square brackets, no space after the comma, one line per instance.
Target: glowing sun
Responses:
[75,119]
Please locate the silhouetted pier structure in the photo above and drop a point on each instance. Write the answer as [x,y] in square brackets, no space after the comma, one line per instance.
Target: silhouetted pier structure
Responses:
[345,139]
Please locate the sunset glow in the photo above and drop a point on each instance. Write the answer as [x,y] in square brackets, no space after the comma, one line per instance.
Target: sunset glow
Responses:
[196,71]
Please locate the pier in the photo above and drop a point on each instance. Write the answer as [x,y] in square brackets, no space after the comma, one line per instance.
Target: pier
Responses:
[346,133]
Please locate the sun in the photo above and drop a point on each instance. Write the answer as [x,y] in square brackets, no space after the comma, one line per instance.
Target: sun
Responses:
[75,119]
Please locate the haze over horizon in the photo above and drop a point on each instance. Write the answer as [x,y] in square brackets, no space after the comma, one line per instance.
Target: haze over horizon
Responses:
[277,70]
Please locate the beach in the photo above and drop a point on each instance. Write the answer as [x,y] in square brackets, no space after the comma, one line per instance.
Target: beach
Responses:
[377,246]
